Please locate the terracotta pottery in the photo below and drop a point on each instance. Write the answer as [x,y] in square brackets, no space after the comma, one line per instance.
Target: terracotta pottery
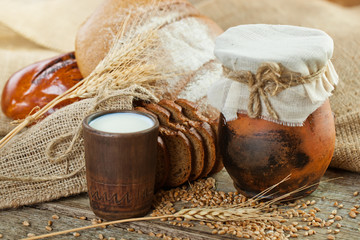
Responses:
[258,153]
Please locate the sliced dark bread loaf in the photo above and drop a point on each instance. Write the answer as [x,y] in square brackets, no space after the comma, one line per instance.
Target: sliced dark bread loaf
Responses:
[201,126]
[197,148]
[189,109]
[179,152]
[178,147]
[198,153]
[163,161]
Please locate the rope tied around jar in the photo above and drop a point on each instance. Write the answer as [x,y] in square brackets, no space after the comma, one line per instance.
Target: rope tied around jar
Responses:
[270,79]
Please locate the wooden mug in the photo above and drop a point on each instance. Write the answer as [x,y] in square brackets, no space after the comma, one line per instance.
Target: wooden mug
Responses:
[120,168]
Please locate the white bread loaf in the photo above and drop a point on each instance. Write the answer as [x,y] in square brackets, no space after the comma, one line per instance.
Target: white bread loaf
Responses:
[187,39]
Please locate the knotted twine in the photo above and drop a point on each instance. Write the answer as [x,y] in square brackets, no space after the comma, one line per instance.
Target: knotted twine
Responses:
[270,79]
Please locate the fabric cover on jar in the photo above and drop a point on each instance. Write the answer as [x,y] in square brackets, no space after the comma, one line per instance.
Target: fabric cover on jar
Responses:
[286,68]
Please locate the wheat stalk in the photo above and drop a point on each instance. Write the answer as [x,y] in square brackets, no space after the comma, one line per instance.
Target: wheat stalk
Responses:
[127,63]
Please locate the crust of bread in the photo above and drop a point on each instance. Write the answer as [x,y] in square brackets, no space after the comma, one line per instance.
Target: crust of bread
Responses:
[163,161]
[214,158]
[95,36]
[178,147]
[198,153]
[162,164]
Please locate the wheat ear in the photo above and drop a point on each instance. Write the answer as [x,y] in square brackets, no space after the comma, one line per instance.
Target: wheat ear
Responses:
[125,64]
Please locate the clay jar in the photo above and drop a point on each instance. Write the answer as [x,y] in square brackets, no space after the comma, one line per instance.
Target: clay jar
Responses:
[258,154]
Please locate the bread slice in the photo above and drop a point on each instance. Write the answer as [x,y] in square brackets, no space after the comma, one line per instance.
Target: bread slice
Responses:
[197,146]
[198,153]
[219,165]
[201,126]
[189,109]
[178,150]
[163,161]
[178,147]
[162,164]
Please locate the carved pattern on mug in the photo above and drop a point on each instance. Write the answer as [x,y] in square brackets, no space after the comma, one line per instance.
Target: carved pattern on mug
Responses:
[125,196]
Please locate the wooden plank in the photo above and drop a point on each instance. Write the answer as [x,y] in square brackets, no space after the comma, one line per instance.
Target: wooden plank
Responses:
[12,228]
[66,207]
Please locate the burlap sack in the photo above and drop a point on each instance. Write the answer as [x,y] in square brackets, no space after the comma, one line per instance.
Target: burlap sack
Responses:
[342,25]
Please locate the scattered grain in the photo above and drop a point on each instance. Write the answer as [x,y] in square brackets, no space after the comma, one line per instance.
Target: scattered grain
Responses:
[76,234]
[49,223]
[352,214]
[334,212]
[100,236]
[26,223]
[338,218]
[82,218]
[152,234]
[131,230]
[356,193]
[112,238]
[330,237]
[31,235]
[48,228]
[336,204]
[338,225]
[1,236]
[55,217]
[341,206]
[336,231]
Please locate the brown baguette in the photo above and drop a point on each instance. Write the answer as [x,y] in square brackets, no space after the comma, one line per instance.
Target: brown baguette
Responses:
[197,145]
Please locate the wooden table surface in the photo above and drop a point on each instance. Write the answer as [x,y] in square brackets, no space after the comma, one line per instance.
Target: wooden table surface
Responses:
[71,209]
